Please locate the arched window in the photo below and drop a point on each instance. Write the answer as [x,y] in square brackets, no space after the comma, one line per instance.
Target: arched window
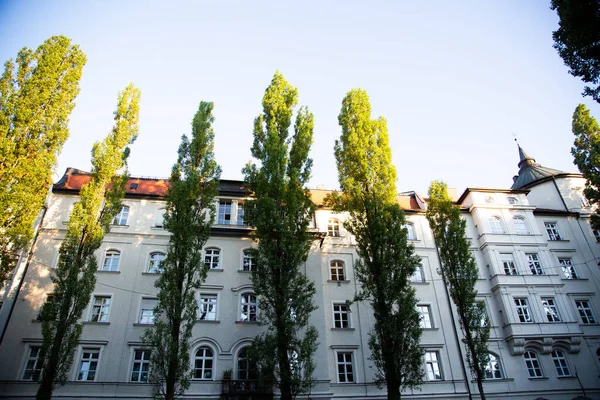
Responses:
[493,369]
[533,365]
[111,260]
[410,231]
[333,228]
[249,307]
[246,369]
[336,268]
[496,225]
[121,217]
[560,363]
[520,226]
[212,258]
[203,363]
[154,262]
[247,261]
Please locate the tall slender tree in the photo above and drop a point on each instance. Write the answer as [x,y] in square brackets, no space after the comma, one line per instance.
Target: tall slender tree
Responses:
[37,95]
[281,210]
[386,259]
[586,155]
[74,279]
[190,212]
[459,272]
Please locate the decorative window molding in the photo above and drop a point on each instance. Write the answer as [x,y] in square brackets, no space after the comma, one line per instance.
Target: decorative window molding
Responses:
[203,363]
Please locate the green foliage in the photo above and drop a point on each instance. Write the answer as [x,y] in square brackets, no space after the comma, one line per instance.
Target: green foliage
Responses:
[190,212]
[281,210]
[459,272]
[386,260]
[74,278]
[37,95]
[586,155]
[577,40]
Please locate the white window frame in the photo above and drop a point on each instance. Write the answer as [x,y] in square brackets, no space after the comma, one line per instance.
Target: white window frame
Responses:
[142,362]
[496,227]
[534,263]
[95,361]
[550,309]
[418,276]
[568,270]
[493,368]
[246,301]
[425,317]
[204,359]
[100,308]
[247,260]
[153,266]
[335,266]
[33,363]
[512,200]
[122,216]
[347,375]
[560,363]
[522,309]
[410,231]
[342,318]
[205,300]
[224,217]
[146,311]
[532,363]
[552,231]
[209,258]
[432,365]
[333,227]
[508,263]
[111,260]
[586,314]
[239,217]
[520,224]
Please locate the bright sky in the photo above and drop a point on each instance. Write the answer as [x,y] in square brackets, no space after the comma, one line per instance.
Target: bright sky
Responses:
[455,80]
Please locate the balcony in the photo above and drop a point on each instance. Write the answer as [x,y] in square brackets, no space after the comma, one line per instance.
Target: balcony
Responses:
[246,390]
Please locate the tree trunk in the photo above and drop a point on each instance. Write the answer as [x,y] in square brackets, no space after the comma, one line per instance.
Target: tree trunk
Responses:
[480,385]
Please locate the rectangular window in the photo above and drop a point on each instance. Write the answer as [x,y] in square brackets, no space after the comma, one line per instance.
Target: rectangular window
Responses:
[224,217]
[121,217]
[567,268]
[585,311]
[88,364]
[207,307]
[341,317]
[100,309]
[141,365]
[523,310]
[147,310]
[552,231]
[33,366]
[418,276]
[432,366]
[345,367]
[425,315]
[534,264]
[240,214]
[550,309]
[509,266]
[336,269]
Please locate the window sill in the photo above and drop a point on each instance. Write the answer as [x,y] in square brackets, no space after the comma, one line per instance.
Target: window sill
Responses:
[141,324]
[151,273]
[118,226]
[559,240]
[208,321]
[566,377]
[95,323]
[538,378]
[574,279]
[247,322]
[487,380]
[594,324]
[338,281]
[431,329]
[108,272]
[157,228]
[243,271]
[342,329]
[215,270]
[202,379]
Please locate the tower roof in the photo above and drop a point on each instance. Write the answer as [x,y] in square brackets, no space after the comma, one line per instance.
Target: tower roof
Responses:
[530,171]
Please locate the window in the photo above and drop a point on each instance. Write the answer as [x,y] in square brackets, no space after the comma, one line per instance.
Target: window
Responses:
[88,364]
[567,268]
[512,200]
[154,262]
[121,217]
[33,366]
[147,310]
[597,234]
[240,214]
[425,315]
[249,308]
[496,225]
[550,309]
[337,270]
[493,369]
[509,265]
[523,310]
[585,311]
[552,230]
[111,260]
[211,258]
[203,363]
[141,365]
[489,199]
[533,260]
[207,307]
[159,218]
[341,316]
[246,369]
[247,261]
[333,228]
[532,364]
[345,367]
[560,363]
[410,235]
[224,217]
[520,226]
[418,276]
[432,366]
[100,309]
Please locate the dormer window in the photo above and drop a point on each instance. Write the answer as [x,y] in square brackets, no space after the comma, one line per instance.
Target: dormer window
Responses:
[513,200]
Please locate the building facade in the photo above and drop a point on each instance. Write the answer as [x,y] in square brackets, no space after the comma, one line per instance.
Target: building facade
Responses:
[539,279]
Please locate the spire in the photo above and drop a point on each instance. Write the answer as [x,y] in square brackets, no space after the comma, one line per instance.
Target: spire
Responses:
[530,171]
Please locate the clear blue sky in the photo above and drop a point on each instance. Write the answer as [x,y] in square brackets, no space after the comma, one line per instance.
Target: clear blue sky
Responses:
[455,80]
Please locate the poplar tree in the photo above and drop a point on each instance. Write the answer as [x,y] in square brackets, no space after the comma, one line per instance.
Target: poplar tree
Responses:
[586,155]
[190,213]
[37,94]
[386,260]
[74,278]
[280,211]
[459,272]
